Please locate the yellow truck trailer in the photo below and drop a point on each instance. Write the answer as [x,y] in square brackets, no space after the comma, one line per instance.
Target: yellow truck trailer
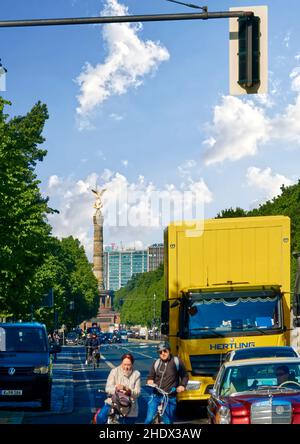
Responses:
[227,287]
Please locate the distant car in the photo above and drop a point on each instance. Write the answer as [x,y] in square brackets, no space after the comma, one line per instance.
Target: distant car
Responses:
[72,338]
[123,335]
[92,330]
[261,352]
[130,334]
[107,338]
[256,391]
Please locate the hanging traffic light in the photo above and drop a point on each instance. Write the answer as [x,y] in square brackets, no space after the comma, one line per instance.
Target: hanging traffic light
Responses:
[249,51]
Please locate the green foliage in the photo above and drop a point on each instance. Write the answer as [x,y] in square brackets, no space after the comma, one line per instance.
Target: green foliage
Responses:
[230,212]
[136,301]
[69,273]
[32,262]
[286,204]
[24,231]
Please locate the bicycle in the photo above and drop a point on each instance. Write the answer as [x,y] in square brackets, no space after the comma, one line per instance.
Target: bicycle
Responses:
[94,357]
[117,412]
[163,403]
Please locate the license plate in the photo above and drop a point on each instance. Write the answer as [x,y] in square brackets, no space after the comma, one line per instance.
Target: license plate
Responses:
[11,392]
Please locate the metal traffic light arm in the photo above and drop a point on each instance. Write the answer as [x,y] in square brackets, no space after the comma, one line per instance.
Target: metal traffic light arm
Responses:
[124,19]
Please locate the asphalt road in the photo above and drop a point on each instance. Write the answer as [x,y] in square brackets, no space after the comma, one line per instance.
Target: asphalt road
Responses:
[81,383]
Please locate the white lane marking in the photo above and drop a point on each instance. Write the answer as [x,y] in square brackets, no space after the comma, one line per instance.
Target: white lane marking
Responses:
[110,364]
[139,353]
[87,381]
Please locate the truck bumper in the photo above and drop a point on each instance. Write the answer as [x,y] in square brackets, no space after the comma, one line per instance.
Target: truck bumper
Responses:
[201,394]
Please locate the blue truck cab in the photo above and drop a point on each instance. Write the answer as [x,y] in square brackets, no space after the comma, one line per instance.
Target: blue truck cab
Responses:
[25,370]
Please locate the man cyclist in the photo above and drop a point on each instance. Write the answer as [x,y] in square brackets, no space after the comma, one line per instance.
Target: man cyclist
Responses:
[167,372]
[92,343]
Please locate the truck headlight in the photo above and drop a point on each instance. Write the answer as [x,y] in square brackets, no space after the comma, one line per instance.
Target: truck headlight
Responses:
[223,415]
[41,370]
[193,385]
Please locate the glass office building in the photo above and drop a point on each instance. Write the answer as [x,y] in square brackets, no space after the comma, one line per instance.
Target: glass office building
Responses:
[120,266]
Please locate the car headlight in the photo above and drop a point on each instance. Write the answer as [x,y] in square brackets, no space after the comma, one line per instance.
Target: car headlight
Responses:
[193,385]
[223,415]
[41,370]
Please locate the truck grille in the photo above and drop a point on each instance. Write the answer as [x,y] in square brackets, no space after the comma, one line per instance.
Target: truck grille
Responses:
[206,365]
[19,371]
[272,411]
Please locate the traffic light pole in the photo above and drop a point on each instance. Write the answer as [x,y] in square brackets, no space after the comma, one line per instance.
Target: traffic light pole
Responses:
[124,19]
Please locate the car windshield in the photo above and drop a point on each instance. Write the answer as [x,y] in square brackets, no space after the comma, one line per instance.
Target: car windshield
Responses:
[267,376]
[253,312]
[72,335]
[22,339]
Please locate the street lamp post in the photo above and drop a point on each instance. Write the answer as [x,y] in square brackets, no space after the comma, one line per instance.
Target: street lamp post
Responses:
[154,316]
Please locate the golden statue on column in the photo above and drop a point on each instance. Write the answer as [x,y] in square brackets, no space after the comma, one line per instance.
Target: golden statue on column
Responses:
[105,301]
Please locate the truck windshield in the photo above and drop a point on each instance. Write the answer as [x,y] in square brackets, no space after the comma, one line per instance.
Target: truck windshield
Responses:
[22,339]
[222,316]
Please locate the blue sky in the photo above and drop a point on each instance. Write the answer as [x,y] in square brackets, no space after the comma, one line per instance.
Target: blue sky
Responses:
[146,108]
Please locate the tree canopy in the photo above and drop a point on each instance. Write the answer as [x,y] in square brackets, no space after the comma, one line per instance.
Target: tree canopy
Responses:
[136,301]
[24,230]
[286,204]
[32,261]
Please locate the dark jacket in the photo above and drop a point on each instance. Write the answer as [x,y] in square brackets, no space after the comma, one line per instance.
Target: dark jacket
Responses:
[92,342]
[166,376]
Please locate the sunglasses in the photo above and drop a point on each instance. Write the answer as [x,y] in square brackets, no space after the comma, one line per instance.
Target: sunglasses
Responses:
[163,351]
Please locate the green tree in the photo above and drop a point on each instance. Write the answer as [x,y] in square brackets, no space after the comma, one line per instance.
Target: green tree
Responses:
[230,212]
[286,204]
[24,231]
[68,272]
[136,300]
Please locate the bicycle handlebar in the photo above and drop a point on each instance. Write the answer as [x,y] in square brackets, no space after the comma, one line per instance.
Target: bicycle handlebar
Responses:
[160,390]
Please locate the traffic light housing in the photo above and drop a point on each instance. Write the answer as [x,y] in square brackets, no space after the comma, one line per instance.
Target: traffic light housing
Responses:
[248,52]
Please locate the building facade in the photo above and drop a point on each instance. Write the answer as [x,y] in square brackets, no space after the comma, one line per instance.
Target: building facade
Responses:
[120,266]
[155,256]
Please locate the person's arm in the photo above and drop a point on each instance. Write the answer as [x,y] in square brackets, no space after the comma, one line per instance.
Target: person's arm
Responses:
[136,390]
[183,377]
[151,375]
[111,383]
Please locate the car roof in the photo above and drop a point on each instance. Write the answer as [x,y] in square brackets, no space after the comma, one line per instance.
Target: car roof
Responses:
[254,361]
[21,324]
[263,349]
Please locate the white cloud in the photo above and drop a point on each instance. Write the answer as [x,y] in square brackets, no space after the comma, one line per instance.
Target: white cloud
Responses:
[100,154]
[129,59]
[184,169]
[238,127]
[287,39]
[53,181]
[133,211]
[116,117]
[286,126]
[125,163]
[266,181]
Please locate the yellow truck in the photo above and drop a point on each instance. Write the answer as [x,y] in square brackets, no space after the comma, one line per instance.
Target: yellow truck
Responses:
[227,287]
